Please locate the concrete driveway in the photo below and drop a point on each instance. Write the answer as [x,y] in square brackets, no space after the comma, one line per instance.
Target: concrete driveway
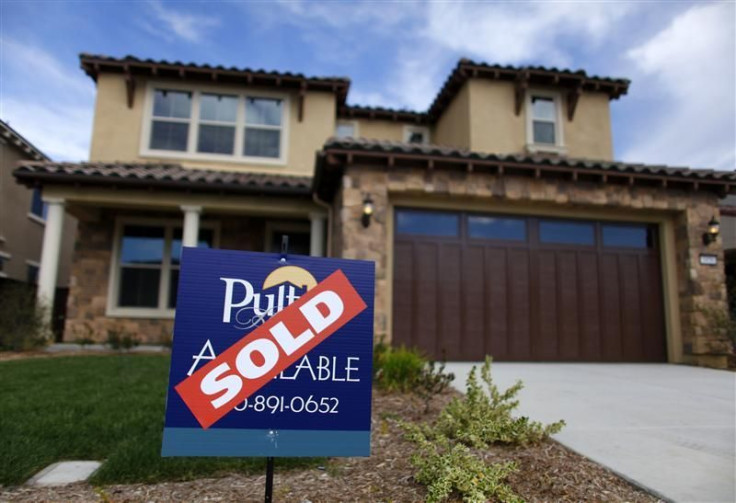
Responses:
[667,428]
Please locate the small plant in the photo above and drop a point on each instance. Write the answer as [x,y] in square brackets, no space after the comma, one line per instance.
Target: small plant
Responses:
[84,335]
[483,417]
[445,468]
[119,339]
[22,323]
[397,369]
[430,382]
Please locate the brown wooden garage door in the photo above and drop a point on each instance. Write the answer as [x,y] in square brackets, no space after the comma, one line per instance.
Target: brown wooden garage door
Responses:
[527,288]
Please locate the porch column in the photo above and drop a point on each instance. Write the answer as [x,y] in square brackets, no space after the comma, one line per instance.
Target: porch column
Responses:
[191,225]
[317,234]
[49,267]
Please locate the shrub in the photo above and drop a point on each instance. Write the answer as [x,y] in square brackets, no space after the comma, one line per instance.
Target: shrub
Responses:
[397,369]
[22,324]
[446,468]
[84,335]
[431,381]
[119,338]
[483,417]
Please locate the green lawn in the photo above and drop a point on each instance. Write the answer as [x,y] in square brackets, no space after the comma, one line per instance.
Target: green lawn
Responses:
[97,408]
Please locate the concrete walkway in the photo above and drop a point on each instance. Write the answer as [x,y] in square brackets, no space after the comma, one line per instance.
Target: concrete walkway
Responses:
[667,428]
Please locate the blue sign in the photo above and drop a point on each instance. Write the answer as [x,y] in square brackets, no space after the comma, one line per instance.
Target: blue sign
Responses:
[318,405]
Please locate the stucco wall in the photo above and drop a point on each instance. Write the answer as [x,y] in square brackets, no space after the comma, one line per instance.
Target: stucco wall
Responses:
[453,127]
[695,292]
[381,129]
[494,127]
[117,128]
[23,235]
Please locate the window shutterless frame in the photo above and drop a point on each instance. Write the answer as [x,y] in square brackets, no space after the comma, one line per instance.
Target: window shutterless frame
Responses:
[411,130]
[559,145]
[191,152]
[162,311]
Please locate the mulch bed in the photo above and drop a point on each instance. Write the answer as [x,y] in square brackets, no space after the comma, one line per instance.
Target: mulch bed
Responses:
[547,472]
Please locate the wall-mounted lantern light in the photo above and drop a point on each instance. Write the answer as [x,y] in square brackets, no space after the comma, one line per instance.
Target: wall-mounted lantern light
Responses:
[367,211]
[714,228]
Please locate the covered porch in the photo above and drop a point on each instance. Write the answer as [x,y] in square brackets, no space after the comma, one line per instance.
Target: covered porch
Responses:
[125,268]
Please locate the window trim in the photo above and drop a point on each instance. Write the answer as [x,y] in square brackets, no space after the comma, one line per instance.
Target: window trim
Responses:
[356,128]
[559,145]
[194,122]
[409,129]
[169,224]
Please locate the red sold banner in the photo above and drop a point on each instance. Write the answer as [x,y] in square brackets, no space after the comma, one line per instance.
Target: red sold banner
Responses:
[252,362]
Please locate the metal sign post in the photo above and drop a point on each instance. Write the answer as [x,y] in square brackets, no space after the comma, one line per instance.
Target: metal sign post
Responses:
[269,480]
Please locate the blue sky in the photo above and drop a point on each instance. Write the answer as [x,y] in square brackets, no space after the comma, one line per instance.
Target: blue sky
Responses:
[680,56]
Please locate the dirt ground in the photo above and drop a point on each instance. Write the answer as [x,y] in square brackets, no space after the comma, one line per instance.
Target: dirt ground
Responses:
[547,472]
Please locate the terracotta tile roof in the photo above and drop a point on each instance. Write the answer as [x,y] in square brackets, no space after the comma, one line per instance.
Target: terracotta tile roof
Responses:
[94,64]
[338,152]
[158,175]
[523,76]
[13,137]
[394,114]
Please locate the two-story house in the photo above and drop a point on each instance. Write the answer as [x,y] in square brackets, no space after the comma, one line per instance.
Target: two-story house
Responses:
[22,223]
[498,221]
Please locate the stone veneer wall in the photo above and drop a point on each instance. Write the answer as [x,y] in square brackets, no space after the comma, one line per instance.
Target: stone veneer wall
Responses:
[90,273]
[701,288]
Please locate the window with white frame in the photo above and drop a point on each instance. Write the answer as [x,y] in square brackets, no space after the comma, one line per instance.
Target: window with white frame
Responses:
[345,129]
[147,268]
[544,120]
[416,134]
[211,125]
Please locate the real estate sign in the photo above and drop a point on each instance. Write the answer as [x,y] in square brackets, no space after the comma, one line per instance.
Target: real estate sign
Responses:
[270,357]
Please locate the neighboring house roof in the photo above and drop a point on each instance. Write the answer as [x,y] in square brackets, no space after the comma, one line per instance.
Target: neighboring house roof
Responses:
[159,175]
[338,152]
[13,137]
[94,64]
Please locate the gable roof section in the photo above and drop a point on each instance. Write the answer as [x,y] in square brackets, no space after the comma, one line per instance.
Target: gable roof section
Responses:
[160,176]
[130,66]
[340,152]
[14,138]
[576,81]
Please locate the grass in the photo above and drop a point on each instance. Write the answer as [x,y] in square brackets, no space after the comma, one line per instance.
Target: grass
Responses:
[98,408]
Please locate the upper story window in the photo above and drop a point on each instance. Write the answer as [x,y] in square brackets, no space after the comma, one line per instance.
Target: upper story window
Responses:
[39,209]
[544,126]
[213,126]
[416,134]
[346,130]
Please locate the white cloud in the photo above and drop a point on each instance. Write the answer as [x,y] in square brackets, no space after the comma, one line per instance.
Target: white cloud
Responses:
[48,102]
[688,70]
[513,33]
[60,132]
[189,27]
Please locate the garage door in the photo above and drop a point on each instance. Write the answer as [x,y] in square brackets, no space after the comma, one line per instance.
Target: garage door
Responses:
[527,288]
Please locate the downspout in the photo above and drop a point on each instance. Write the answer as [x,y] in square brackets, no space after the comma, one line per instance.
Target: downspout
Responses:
[328,207]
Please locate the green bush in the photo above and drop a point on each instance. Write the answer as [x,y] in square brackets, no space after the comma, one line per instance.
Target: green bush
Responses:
[119,338]
[483,417]
[446,468]
[431,381]
[22,324]
[397,369]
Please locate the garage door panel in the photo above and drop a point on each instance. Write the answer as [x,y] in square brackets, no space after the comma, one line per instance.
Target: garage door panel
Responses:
[449,309]
[519,308]
[545,342]
[473,312]
[590,322]
[568,304]
[611,319]
[497,285]
[496,303]
[631,336]
[426,295]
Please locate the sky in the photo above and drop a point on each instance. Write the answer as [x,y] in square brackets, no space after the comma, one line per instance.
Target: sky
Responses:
[680,57]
